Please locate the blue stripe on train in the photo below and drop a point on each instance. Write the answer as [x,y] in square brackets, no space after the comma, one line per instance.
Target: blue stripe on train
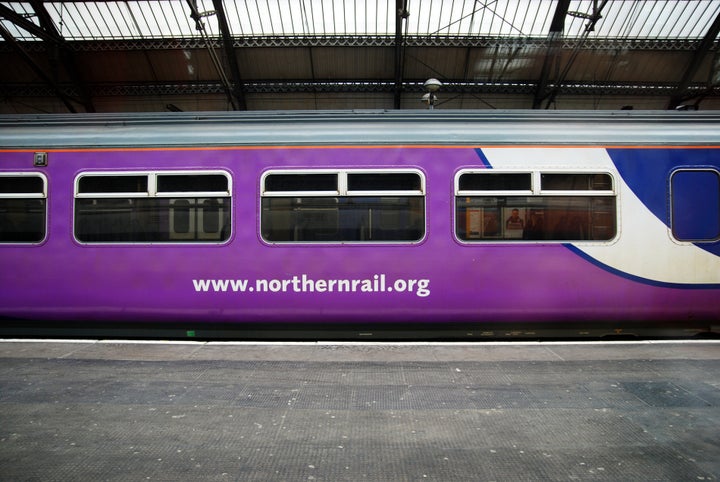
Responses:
[647,173]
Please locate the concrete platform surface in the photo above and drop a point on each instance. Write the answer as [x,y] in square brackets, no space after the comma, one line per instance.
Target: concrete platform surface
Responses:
[112,410]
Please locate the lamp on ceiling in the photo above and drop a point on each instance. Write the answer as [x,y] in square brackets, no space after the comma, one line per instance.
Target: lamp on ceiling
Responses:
[431,86]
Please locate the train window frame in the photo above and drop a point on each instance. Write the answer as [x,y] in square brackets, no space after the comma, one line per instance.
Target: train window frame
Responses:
[674,227]
[42,195]
[533,205]
[343,193]
[167,202]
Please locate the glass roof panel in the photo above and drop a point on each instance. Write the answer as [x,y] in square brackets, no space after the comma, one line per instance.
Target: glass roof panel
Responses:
[135,19]
[648,19]
[24,10]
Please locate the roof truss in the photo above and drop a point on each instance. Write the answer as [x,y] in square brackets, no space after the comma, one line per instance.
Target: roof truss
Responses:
[570,58]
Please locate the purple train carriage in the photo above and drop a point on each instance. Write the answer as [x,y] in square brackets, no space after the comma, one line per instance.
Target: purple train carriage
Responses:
[399,224]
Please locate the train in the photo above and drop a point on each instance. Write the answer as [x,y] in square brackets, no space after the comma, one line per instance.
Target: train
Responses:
[361,224]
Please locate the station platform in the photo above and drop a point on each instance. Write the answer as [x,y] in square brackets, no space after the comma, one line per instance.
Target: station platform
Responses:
[171,411]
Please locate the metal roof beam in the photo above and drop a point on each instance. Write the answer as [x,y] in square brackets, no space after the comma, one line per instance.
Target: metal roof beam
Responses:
[681,93]
[557,26]
[589,27]
[27,25]
[169,43]
[67,56]
[54,87]
[197,16]
[55,46]
[401,14]
[278,86]
[237,90]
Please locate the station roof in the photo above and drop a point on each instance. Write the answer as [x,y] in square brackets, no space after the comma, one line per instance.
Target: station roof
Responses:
[217,55]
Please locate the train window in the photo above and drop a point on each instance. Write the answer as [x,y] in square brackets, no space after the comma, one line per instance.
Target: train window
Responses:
[695,205]
[545,206]
[301,182]
[343,206]
[373,181]
[153,207]
[192,183]
[23,207]
[113,184]
[491,181]
[575,182]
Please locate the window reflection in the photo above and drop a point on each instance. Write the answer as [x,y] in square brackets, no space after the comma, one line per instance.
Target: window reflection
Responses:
[544,218]
[352,218]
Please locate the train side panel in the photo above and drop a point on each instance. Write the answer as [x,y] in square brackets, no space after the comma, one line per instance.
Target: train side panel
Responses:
[640,273]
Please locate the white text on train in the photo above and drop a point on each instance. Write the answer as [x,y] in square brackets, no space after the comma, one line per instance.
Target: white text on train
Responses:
[303,284]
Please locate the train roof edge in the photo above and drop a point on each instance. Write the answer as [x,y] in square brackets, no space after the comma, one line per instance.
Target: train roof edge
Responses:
[358,127]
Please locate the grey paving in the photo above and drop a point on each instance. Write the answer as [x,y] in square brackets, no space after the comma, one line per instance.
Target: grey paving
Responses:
[212,411]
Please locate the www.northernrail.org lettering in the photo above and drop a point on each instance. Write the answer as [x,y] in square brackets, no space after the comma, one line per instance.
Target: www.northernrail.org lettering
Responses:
[303,284]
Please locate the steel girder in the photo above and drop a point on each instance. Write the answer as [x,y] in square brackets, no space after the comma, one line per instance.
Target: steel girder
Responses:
[57,49]
[109,45]
[351,86]
[682,92]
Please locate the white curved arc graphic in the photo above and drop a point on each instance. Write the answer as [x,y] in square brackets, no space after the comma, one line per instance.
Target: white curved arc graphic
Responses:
[644,247]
